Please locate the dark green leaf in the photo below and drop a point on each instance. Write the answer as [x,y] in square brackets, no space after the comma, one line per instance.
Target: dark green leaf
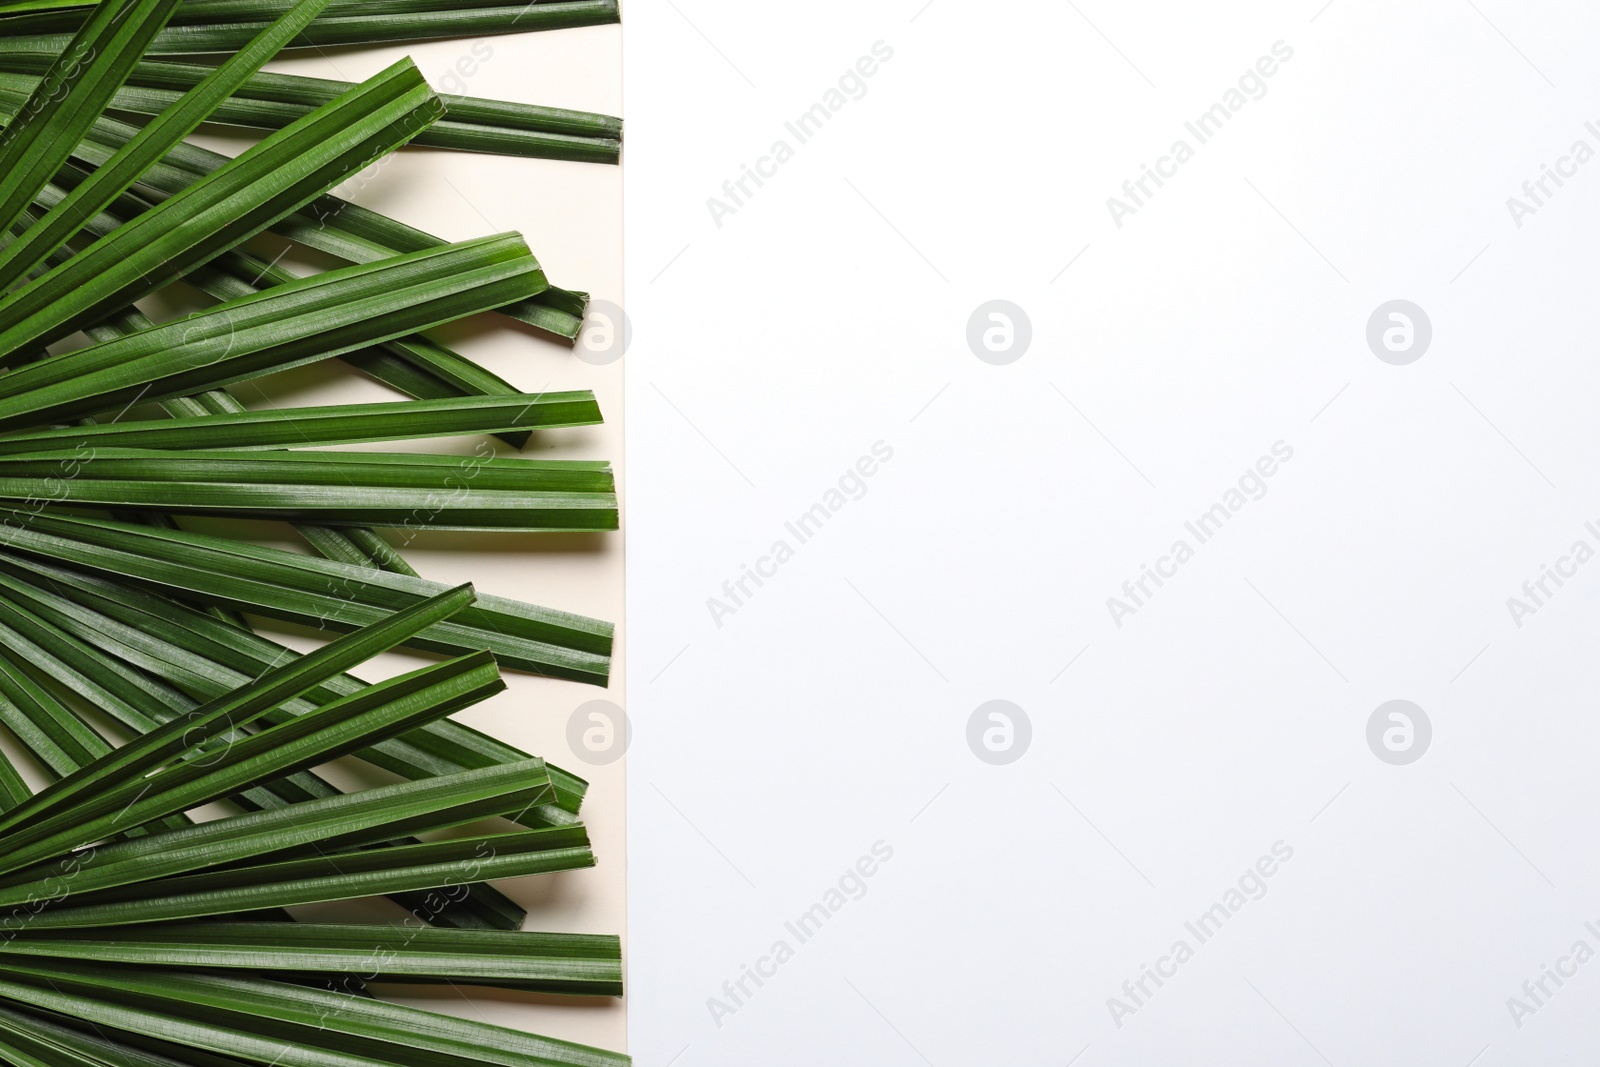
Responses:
[239,199]
[303,589]
[582,964]
[179,115]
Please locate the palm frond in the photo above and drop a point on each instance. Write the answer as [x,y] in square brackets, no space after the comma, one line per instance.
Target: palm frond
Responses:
[134,695]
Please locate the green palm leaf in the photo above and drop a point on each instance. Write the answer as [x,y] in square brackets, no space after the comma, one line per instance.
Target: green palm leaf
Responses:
[273,1022]
[317,592]
[238,709]
[373,872]
[574,964]
[331,824]
[46,30]
[205,658]
[505,129]
[333,730]
[283,327]
[437,748]
[334,488]
[235,202]
[131,684]
[341,425]
[88,70]
[328,224]
[173,124]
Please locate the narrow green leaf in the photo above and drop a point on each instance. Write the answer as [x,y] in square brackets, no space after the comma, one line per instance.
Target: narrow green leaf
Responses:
[478,906]
[17,7]
[447,133]
[223,29]
[388,363]
[96,1049]
[313,426]
[273,1022]
[332,543]
[135,699]
[238,708]
[332,488]
[129,697]
[522,129]
[283,327]
[326,540]
[13,790]
[304,589]
[207,658]
[20,1050]
[178,117]
[239,199]
[394,29]
[582,964]
[301,91]
[90,67]
[332,824]
[44,725]
[335,729]
[382,554]
[344,876]
[327,224]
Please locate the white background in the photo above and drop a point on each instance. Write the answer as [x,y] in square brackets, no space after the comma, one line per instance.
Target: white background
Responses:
[829,712]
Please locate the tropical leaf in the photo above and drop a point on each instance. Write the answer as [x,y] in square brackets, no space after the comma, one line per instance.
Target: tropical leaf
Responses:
[204,658]
[236,710]
[134,696]
[330,488]
[238,200]
[176,119]
[521,134]
[327,223]
[331,824]
[265,1021]
[317,592]
[575,964]
[340,425]
[87,71]
[280,328]
[475,906]
[47,31]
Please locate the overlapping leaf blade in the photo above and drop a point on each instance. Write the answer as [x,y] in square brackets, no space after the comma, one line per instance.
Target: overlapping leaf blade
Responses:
[576,964]
[129,625]
[86,72]
[332,488]
[239,199]
[338,425]
[179,116]
[318,592]
[280,328]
